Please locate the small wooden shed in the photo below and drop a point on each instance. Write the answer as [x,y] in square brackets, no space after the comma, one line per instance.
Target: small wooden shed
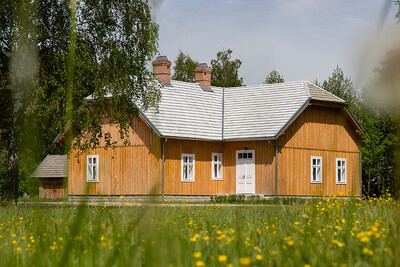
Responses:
[51,173]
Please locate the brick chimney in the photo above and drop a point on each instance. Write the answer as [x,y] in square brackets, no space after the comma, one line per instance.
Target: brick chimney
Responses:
[202,75]
[162,69]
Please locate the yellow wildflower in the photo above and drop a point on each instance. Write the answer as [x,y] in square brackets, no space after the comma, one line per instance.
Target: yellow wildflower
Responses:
[200,264]
[245,261]
[259,257]
[197,255]
[222,258]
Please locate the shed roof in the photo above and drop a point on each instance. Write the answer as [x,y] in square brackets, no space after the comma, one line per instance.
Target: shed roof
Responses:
[53,166]
[233,113]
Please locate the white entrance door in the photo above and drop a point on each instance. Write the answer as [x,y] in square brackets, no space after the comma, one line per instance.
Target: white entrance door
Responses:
[245,172]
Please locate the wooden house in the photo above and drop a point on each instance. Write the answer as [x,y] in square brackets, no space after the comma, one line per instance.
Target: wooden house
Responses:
[286,139]
[51,173]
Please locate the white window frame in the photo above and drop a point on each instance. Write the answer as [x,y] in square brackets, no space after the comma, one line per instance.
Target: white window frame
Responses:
[318,181]
[217,163]
[341,168]
[89,175]
[189,179]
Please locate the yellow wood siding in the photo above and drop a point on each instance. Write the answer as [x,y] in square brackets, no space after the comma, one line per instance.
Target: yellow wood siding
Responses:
[131,169]
[319,131]
[137,168]
[203,184]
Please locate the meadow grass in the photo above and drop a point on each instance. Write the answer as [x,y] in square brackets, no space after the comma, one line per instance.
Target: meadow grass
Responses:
[324,232]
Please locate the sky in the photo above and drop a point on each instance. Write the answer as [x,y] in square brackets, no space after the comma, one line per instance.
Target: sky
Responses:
[302,39]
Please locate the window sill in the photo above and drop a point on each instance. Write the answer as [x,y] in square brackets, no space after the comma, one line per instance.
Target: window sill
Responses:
[92,181]
[343,183]
[316,182]
[216,179]
[187,181]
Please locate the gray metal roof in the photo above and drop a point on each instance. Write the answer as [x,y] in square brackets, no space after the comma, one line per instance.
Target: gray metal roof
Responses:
[187,111]
[53,166]
[249,112]
[320,94]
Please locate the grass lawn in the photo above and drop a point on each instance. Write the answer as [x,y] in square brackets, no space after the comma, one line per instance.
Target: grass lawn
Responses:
[324,232]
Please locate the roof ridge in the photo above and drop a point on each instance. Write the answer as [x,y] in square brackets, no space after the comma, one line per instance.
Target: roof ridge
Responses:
[307,89]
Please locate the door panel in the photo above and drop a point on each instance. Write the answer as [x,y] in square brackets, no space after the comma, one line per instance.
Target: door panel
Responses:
[245,178]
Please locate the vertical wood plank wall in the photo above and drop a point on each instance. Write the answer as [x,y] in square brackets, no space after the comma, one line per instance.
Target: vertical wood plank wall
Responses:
[137,168]
[203,184]
[124,170]
[51,188]
[319,131]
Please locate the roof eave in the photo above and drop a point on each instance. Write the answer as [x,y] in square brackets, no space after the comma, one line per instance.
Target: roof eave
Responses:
[38,167]
[293,118]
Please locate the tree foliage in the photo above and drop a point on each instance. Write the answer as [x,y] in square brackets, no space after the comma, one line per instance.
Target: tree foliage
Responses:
[95,47]
[341,86]
[274,77]
[184,68]
[225,71]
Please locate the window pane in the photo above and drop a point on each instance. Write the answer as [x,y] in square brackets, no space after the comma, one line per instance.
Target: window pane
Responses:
[185,159]
[190,159]
[90,172]
[314,162]
[343,163]
[239,155]
[344,175]
[90,160]
[318,162]
[339,178]
[245,155]
[220,158]
[215,171]
[318,173]
[190,174]
[184,172]
[94,160]
[219,170]
[314,174]
[250,155]
[338,163]
[94,173]
[215,158]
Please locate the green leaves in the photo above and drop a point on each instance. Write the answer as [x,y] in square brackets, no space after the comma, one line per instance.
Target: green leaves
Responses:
[225,71]
[274,77]
[184,68]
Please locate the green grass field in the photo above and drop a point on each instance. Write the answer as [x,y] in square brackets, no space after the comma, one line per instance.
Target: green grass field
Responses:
[324,232]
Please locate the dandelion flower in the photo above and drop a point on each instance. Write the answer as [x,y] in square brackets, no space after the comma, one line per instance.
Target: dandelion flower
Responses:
[197,255]
[200,264]
[222,258]
[245,261]
[259,257]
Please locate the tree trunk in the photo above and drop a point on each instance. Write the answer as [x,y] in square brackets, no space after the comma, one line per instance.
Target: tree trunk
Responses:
[10,186]
[369,181]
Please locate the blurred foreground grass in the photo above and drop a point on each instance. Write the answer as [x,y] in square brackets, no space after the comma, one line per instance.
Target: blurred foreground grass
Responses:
[328,232]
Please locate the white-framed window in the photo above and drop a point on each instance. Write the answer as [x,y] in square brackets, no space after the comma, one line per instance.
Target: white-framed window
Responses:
[187,168]
[341,171]
[216,166]
[92,168]
[316,169]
